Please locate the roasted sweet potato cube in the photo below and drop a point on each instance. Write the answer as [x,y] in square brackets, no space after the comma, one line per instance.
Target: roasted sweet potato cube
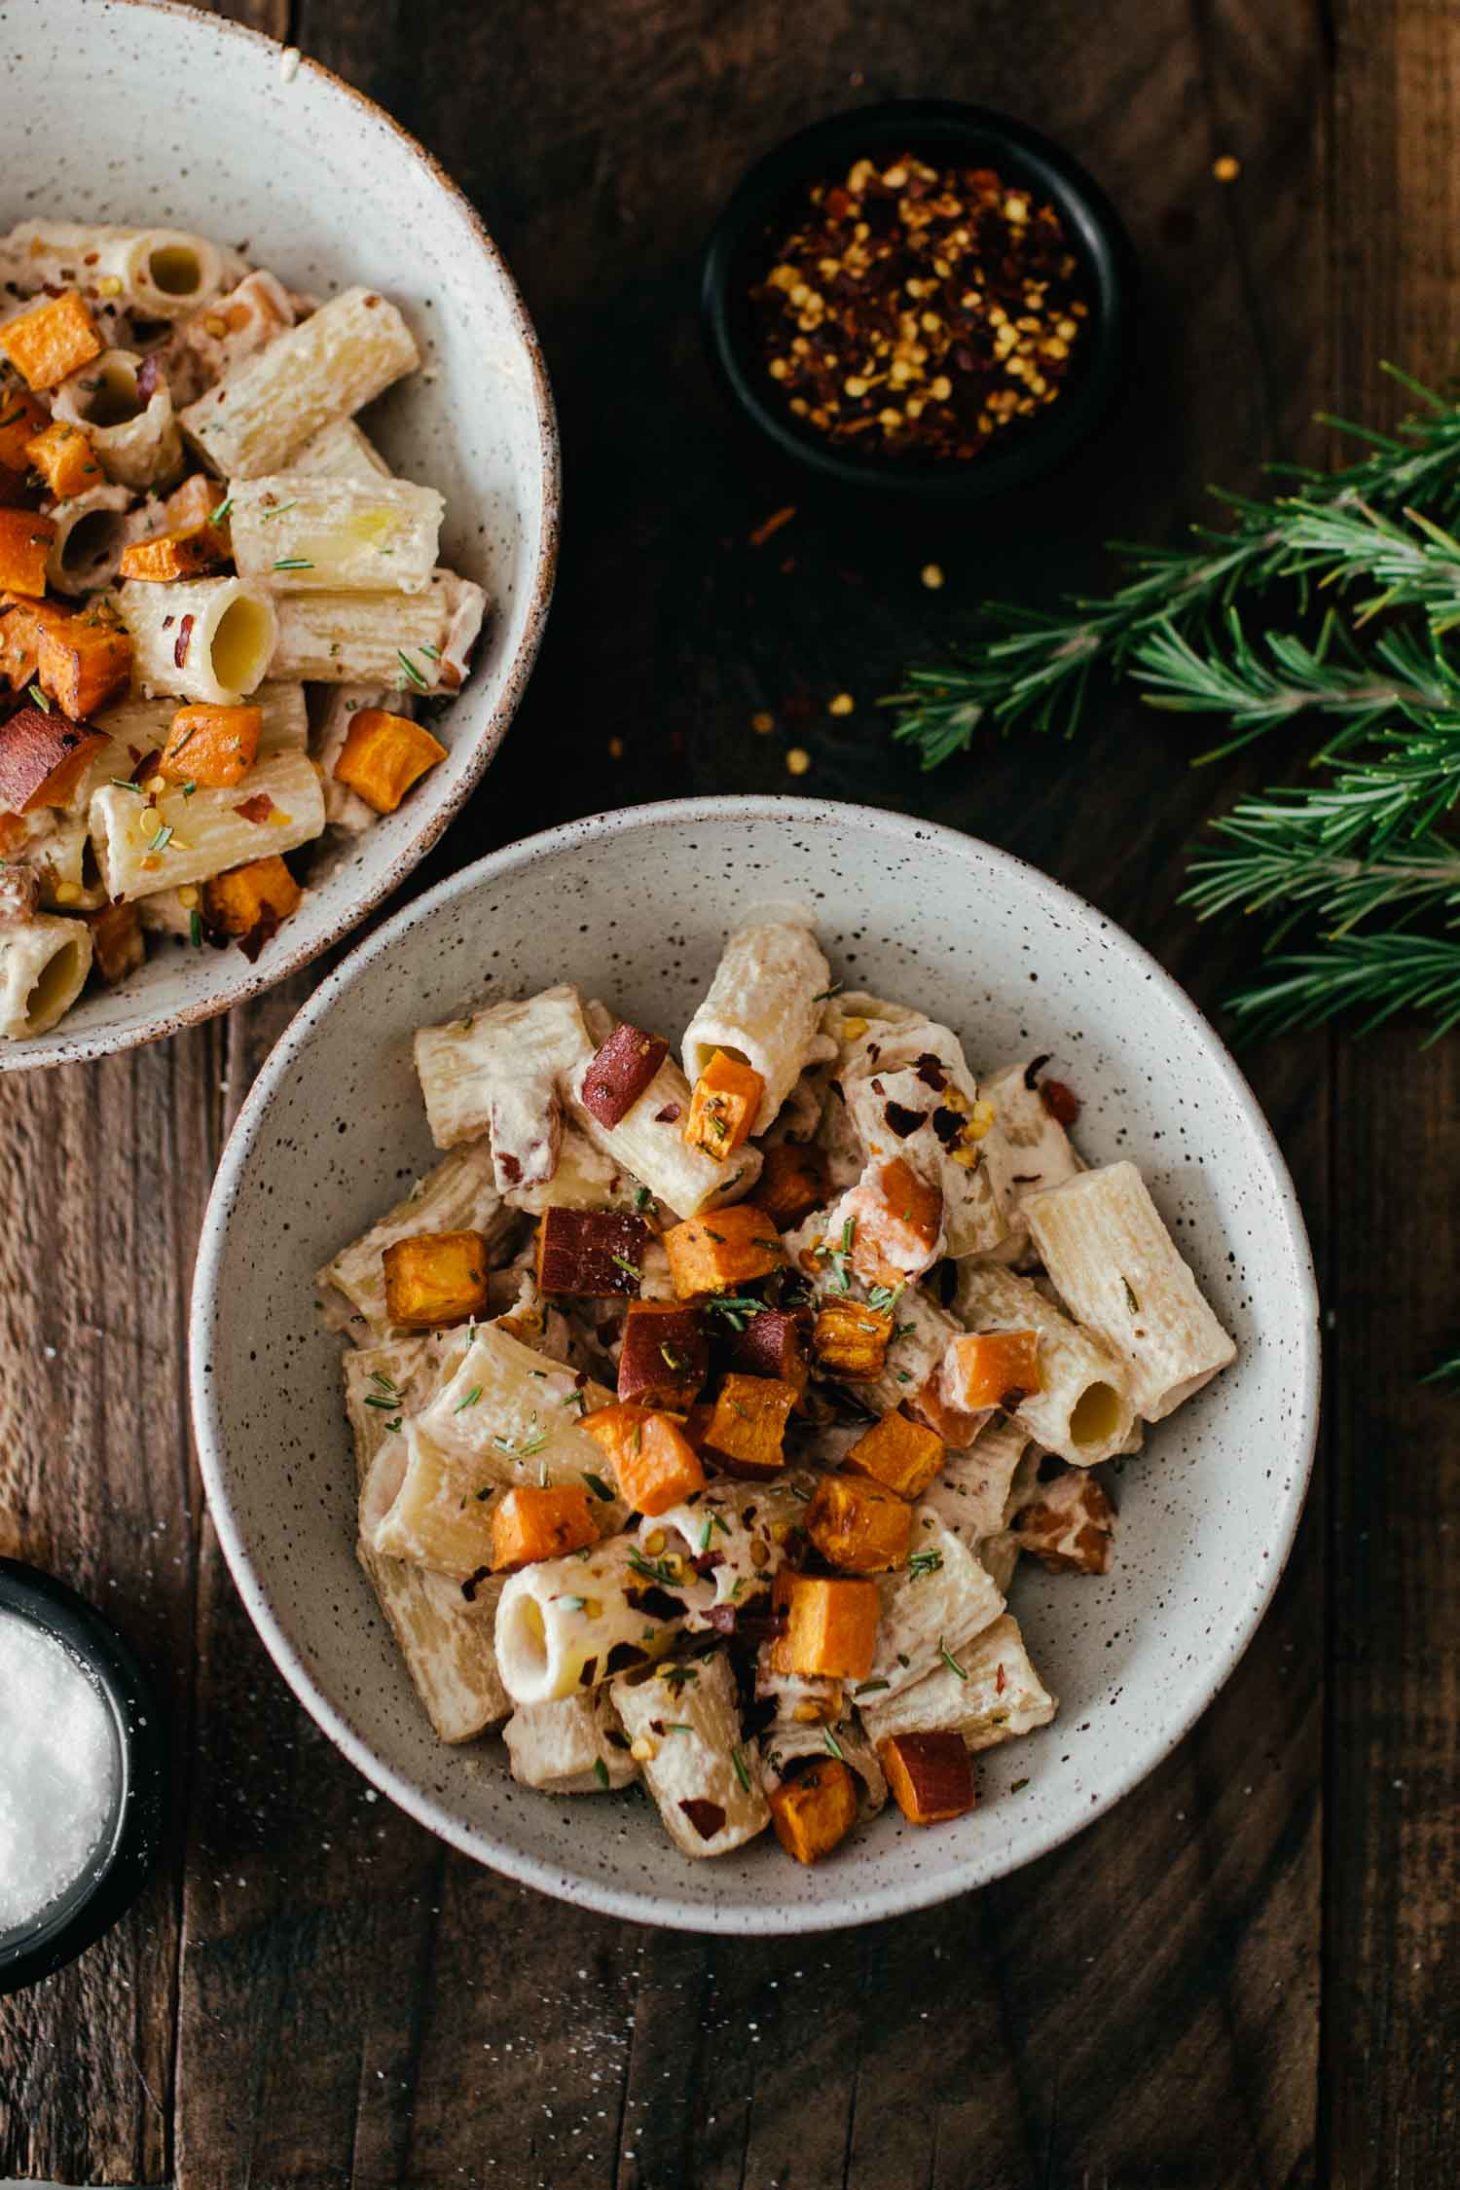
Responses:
[664,1358]
[118,946]
[43,758]
[814,1811]
[792,1182]
[590,1251]
[830,1625]
[251,900]
[773,1343]
[620,1071]
[1068,1525]
[851,1340]
[716,1253]
[860,1527]
[897,1222]
[930,1775]
[723,1106]
[82,661]
[748,1427]
[434,1279]
[194,507]
[991,1369]
[25,542]
[214,746]
[383,755]
[955,1429]
[167,558]
[52,340]
[529,1523]
[62,456]
[901,1454]
[21,419]
[651,1460]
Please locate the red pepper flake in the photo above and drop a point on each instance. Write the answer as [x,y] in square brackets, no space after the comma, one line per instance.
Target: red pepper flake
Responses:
[919,311]
[772,525]
[183,642]
[257,808]
[1062,1103]
[999,1681]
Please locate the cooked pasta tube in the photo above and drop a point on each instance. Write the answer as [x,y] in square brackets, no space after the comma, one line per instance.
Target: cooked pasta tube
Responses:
[648,1141]
[161,273]
[211,640]
[303,534]
[909,1092]
[499,1070]
[940,1597]
[409,642]
[507,1414]
[1026,1149]
[572,1746]
[570,1624]
[458,1195]
[341,451]
[683,1721]
[136,728]
[1118,1270]
[738,1532]
[970,1492]
[788,1742]
[67,876]
[991,1695]
[126,416]
[90,533]
[324,369]
[43,967]
[178,838]
[225,333]
[384,1382]
[1083,1409]
[764,1007]
[583,1178]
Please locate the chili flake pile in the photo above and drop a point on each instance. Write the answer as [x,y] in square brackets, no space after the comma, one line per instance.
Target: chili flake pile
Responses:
[921,310]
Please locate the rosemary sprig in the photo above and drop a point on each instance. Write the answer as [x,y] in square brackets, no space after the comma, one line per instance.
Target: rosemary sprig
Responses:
[1377,974]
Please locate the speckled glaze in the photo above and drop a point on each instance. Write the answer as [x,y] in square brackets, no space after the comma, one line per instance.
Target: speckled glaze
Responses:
[194,122]
[633,906]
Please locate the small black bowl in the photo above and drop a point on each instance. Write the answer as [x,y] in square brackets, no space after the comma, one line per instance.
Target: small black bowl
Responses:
[114,1876]
[739,254]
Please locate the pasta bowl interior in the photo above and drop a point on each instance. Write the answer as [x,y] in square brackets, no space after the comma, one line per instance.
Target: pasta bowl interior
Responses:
[634,909]
[204,297]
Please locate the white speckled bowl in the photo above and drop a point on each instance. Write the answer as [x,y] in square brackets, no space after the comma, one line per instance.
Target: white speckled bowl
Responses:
[126,110]
[633,906]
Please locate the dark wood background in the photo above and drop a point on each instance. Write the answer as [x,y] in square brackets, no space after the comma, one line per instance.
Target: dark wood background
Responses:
[1246,1976]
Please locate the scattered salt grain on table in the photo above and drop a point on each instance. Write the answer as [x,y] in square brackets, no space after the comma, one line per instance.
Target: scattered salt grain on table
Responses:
[58,1769]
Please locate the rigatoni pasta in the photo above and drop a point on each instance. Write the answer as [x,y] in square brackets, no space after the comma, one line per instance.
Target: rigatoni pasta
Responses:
[203,525]
[751,1483]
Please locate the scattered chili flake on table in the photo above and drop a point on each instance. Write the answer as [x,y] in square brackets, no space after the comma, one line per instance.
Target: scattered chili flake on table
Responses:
[921,310]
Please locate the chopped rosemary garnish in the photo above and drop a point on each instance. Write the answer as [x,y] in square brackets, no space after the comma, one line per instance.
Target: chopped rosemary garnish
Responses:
[216,516]
[470,1400]
[600,1772]
[740,1772]
[41,699]
[422,684]
[622,1262]
[833,1744]
[738,1309]
[924,1562]
[949,1660]
[277,509]
[293,562]
[162,839]
[598,1487]
[654,1570]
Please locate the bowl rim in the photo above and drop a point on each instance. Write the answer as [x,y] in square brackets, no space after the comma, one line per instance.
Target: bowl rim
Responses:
[915,1888]
[44,1052]
[80,1917]
[1099,234]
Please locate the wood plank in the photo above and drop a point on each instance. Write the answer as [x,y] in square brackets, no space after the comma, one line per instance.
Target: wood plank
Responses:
[1392,1899]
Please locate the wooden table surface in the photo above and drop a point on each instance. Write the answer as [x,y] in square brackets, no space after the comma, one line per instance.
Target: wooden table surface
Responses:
[1247,1974]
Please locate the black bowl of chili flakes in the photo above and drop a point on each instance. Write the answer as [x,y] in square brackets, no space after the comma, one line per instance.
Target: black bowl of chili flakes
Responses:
[923,298]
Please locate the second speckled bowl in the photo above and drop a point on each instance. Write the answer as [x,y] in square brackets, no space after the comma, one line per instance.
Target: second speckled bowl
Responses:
[633,906]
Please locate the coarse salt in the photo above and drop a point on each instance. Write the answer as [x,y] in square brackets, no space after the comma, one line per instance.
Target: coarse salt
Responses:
[58,1769]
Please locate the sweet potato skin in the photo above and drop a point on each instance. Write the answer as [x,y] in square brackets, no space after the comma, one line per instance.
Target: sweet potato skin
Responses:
[257,896]
[619,1071]
[747,1429]
[899,1453]
[991,1369]
[55,338]
[723,1106]
[383,755]
[773,1344]
[665,1356]
[1067,1526]
[214,746]
[62,457]
[435,1279]
[25,542]
[815,1811]
[859,1527]
[831,1626]
[652,1461]
[793,1182]
[714,1254]
[531,1523]
[930,1776]
[851,1340]
[592,1252]
[43,757]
